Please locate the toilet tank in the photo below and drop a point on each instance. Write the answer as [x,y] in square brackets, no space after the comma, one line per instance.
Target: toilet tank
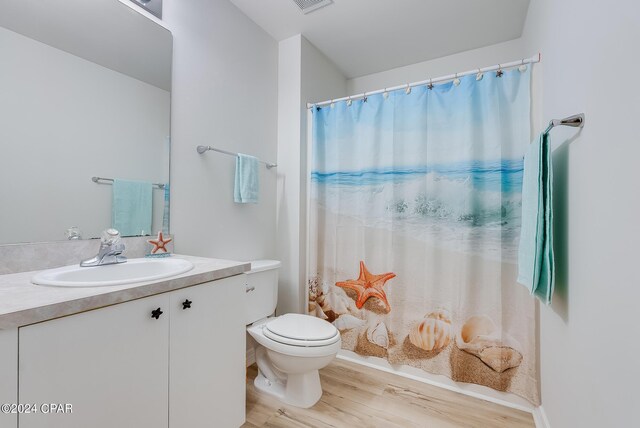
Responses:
[261,284]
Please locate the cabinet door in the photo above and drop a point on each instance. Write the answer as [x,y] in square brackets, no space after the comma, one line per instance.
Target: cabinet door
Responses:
[207,353]
[110,364]
[8,375]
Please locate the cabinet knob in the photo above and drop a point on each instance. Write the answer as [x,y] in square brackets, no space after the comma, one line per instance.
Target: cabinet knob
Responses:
[156,313]
[186,304]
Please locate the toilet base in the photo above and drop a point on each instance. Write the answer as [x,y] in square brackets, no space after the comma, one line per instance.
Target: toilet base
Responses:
[300,390]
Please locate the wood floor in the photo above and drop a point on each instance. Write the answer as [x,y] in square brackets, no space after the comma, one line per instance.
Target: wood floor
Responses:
[358,396]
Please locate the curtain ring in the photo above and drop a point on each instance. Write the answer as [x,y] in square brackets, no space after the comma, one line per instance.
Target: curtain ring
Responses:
[430,85]
[522,67]
[479,75]
[349,102]
[408,89]
[499,73]
[385,94]
[456,81]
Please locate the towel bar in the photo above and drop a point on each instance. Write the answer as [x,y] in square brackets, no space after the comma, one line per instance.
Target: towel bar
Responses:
[203,149]
[102,180]
[576,121]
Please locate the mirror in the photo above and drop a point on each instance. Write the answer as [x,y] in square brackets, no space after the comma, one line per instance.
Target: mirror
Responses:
[85,92]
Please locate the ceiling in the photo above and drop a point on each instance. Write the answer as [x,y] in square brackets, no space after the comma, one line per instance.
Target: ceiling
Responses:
[367,36]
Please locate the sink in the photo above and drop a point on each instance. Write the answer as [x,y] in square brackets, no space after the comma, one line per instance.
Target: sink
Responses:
[134,270]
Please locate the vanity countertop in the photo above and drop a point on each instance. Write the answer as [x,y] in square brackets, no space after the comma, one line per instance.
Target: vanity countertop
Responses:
[23,303]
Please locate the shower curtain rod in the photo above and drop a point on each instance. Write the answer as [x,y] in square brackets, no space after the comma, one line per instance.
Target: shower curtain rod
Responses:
[532,60]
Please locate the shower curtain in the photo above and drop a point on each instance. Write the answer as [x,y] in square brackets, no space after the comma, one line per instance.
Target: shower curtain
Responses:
[414,223]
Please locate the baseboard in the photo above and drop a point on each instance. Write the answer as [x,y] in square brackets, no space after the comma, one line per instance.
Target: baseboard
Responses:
[524,408]
[540,418]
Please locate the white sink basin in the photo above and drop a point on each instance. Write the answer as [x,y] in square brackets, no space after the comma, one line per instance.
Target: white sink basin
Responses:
[134,270]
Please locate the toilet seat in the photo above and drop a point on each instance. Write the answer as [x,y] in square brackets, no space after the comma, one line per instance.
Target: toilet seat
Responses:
[301,330]
[298,342]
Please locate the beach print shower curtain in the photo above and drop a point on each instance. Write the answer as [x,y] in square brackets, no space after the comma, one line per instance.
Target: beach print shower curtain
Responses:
[415,204]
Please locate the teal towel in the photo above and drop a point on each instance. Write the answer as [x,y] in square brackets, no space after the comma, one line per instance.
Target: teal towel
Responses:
[132,207]
[247,181]
[536,269]
[166,212]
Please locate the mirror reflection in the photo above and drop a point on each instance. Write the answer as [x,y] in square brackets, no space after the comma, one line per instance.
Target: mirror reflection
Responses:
[84,120]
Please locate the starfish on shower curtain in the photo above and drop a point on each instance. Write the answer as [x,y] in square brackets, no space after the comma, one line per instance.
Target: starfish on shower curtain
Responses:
[368,285]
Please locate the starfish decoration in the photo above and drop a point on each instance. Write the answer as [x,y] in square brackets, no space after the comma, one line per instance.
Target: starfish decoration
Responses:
[159,244]
[499,73]
[368,285]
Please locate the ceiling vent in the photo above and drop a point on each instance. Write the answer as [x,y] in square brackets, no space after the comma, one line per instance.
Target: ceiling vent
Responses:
[308,6]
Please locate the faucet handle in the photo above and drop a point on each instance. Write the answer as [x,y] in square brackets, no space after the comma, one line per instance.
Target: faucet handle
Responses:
[110,252]
[110,237]
[116,249]
[74,233]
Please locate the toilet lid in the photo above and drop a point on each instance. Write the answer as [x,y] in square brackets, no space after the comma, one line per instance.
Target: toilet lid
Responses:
[301,330]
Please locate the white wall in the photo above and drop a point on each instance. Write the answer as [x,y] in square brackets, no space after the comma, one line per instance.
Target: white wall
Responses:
[63,120]
[289,131]
[589,355]
[224,95]
[304,75]
[483,57]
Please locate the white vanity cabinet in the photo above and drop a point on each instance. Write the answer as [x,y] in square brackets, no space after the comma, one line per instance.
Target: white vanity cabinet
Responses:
[120,366]
[8,375]
[207,355]
[110,364]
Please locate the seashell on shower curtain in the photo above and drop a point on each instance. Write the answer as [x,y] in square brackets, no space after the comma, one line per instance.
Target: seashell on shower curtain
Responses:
[415,209]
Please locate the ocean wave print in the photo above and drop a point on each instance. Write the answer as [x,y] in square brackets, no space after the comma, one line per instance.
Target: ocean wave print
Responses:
[462,207]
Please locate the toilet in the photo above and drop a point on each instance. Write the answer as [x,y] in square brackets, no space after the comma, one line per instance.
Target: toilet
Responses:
[290,348]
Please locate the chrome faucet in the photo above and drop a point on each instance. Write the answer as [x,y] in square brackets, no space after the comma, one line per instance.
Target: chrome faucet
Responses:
[110,252]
